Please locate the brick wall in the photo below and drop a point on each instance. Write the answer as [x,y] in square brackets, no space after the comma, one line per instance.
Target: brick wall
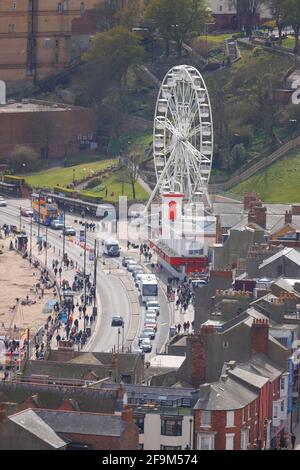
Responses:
[198,355]
[218,426]
[259,336]
[63,128]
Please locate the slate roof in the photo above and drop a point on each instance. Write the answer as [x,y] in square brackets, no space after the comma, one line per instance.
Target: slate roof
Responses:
[64,370]
[49,424]
[33,423]
[83,423]
[289,253]
[228,395]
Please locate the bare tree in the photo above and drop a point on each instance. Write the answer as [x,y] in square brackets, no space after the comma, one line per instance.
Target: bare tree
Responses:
[133,167]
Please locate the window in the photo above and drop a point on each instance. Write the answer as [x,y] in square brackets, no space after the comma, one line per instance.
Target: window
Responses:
[139,421]
[244,439]
[205,442]
[229,441]
[221,8]
[171,427]
[229,419]
[47,43]
[282,406]
[13,5]
[11,28]
[82,7]
[205,418]
[141,447]
[59,7]
[170,447]
[282,383]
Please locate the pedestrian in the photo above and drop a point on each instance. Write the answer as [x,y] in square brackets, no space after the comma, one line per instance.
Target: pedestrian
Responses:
[293,440]
[58,338]
[55,271]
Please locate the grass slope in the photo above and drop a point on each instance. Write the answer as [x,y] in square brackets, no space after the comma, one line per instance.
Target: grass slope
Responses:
[64,176]
[114,186]
[279,183]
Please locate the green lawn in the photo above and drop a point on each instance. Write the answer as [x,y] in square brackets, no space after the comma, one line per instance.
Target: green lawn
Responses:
[64,176]
[218,38]
[280,183]
[289,42]
[114,185]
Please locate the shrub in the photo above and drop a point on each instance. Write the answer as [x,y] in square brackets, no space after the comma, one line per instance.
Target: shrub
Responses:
[23,159]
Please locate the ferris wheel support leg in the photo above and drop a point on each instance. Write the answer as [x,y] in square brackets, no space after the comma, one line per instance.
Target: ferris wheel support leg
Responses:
[153,194]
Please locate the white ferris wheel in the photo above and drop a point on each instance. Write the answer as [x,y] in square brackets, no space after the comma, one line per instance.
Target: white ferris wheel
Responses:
[183,135]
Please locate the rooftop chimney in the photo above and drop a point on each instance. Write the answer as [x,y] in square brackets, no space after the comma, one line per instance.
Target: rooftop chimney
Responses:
[258,215]
[127,414]
[259,336]
[288,217]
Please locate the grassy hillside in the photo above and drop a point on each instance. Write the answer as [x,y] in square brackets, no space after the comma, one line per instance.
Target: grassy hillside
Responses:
[64,176]
[280,183]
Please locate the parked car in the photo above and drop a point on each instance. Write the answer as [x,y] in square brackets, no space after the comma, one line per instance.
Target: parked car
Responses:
[126,260]
[152,311]
[146,345]
[117,320]
[152,305]
[135,272]
[150,332]
[26,212]
[137,279]
[137,350]
[150,317]
[70,231]
[150,324]
[3,203]
[131,265]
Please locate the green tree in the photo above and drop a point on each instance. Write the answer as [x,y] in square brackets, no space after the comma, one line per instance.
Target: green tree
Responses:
[238,156]
[130,14]
[177,20]
[110,56]
[291,16]
[276,7]
[246,12]
[23,158]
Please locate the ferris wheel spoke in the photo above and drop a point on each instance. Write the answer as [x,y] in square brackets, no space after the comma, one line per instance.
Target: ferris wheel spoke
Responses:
[201,158]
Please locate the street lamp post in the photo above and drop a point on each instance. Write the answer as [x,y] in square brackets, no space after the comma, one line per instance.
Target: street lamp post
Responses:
[191,423]
[84,269]
[74,176]
[119,332]
[39,221]
[123,337]
[20,219]
[95,274]
[30,249]
[46,247]
[64,231]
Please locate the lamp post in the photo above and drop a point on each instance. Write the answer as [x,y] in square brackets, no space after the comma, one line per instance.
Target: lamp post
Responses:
[123,337]
[191,423]
[64,231]
[84,272]
[30,249]
[119,332]
[95,274]
[46,247]
[20,219]
[74,176]
[39,221]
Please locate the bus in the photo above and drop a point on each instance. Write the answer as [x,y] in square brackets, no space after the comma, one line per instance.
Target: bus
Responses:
[111,248]
[45,210]
[148,287]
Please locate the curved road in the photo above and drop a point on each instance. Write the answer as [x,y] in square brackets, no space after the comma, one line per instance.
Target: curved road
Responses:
[115,300]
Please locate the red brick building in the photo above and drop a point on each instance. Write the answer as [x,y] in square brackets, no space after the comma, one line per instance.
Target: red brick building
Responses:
[52,130]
